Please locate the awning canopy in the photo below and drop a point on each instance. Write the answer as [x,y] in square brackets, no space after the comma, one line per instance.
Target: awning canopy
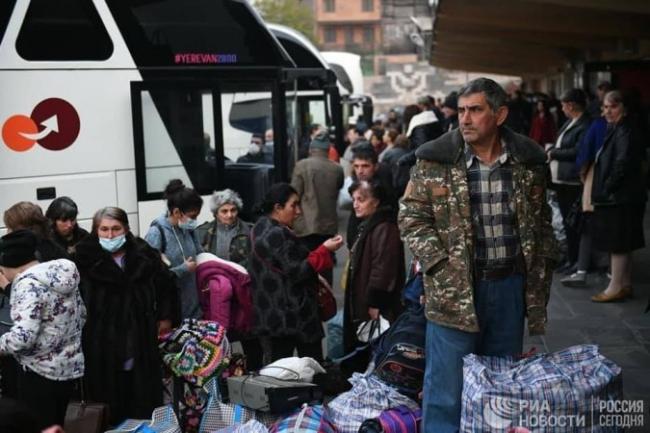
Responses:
[537,37]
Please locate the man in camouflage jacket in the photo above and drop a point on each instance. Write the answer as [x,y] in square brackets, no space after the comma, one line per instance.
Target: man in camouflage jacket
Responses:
[481,278]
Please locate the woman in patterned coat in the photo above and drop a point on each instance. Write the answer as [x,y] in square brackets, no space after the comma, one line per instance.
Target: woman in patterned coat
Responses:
[284,277]
[45,339]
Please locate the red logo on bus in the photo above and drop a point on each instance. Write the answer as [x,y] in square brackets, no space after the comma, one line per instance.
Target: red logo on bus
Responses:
[54,124]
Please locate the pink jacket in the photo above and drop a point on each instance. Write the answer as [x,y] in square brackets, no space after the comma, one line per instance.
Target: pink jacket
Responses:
[224,292]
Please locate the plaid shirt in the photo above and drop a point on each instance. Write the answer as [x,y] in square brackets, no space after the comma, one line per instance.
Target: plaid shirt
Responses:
[493,219]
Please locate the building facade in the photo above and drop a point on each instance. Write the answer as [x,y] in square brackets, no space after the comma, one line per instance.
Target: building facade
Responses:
[349,25]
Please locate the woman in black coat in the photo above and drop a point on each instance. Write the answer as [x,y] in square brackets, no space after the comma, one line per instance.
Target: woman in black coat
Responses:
[619,197]
[130,298]
[284,277]
[376,273]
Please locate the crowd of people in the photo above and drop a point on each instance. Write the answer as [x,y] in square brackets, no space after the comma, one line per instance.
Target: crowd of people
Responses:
[467,184]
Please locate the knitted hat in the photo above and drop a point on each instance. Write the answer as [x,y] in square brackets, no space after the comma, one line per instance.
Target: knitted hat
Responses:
[17,248]
[320,141]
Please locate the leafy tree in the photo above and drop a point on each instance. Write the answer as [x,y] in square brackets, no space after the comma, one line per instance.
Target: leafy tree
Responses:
[290,13]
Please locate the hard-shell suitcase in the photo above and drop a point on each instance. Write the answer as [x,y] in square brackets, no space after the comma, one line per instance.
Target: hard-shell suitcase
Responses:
[269,394]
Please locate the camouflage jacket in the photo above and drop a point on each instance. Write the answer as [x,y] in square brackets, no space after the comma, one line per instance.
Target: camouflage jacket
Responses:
[240,245]
[435,223]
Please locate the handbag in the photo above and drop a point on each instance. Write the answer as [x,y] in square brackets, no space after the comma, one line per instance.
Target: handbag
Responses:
[324,295]
[85,417]
[574,218]
[326,300]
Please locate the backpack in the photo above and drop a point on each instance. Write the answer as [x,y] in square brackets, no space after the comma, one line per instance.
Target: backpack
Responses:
[399,352]
[163,239]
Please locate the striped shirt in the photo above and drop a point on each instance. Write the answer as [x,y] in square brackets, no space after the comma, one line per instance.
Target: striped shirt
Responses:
[492,210]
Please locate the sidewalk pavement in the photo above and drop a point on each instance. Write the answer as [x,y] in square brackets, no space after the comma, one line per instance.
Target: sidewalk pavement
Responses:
[622,330]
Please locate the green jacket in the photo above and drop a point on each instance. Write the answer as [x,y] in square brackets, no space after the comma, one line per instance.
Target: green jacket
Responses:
[434,220]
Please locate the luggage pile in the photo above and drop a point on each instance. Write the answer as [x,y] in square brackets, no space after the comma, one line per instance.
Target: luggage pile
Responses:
[281,398]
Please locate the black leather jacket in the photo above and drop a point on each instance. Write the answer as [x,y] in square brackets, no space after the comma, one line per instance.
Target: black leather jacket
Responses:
[619,176]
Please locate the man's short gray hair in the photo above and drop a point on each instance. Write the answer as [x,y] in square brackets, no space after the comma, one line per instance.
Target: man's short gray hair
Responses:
[226,196]
[494,93]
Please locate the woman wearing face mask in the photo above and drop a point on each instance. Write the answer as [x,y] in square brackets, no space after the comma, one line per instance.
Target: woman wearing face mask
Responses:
[284,278]
[173,234]
[131,297]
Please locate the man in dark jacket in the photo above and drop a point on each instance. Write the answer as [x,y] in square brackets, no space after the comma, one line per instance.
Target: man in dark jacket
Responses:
[366,167]
[256,151]
[450,111]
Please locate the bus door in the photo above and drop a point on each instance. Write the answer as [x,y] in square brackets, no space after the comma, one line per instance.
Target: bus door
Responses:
[200,132]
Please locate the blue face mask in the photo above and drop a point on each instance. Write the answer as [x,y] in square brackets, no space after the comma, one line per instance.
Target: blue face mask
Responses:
[190,224]
[113,244]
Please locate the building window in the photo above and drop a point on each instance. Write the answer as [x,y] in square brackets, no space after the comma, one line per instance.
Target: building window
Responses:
[330,35]
[329,5]
[368,5]
[369,35]
[349,35]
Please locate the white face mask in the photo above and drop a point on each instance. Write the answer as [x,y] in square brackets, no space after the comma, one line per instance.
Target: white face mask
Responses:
[113,244]
[190,224]
[253,149]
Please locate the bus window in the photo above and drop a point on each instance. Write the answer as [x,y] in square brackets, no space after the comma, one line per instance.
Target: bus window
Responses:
[197,33]
[6,8]
[65,30]
[177,130]
[317,112]
[250,119]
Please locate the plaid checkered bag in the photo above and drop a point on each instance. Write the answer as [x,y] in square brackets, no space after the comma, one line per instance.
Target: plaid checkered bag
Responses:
[163,420]
[551,392]
[218,415]
[308,419]
[368,398]
[251,426]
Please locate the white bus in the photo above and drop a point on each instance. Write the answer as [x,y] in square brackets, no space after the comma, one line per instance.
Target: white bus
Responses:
[105,101]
